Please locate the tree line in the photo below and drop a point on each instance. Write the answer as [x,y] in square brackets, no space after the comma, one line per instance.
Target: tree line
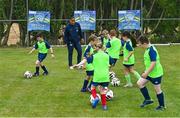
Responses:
[154,12]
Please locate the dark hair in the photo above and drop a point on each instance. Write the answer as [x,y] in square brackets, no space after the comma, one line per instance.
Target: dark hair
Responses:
[92,37]
[143,39]
[72,17]
[126,33]
[39,35]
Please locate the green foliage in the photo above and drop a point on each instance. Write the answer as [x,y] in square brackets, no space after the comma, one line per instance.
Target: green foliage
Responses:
[106,9]
[19,10]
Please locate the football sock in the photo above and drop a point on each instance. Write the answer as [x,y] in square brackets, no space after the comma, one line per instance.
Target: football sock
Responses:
[93,92]
[145,93]
[85,84]
[37,69]
[90,84]
[136,74]
[44,68]
[128,78]
[103,99]
[160,99]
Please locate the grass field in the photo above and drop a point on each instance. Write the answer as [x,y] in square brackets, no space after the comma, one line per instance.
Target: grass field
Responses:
[58,94]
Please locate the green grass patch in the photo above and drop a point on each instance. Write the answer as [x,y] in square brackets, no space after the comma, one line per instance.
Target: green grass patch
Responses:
[58,94]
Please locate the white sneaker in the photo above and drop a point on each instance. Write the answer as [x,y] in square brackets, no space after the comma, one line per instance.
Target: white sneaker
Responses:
[71,67]
[80,67]
[128,85]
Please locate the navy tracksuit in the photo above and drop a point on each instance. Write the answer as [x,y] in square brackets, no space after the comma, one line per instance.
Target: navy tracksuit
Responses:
[72,37]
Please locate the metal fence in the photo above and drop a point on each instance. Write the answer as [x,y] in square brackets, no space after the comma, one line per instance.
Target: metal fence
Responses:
[103,24]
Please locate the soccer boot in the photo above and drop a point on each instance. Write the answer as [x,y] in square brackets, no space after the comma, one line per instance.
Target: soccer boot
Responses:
[71,67]
[35,74]
[45,73]
[95,102]
[162,108]
[83,90]
[146,102]
[104,107]
[128,85]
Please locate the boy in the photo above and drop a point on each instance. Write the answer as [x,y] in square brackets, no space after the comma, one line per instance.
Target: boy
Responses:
[105,38]
[89,67]
[114,46]
[42,47]
[128,59]
[153,73]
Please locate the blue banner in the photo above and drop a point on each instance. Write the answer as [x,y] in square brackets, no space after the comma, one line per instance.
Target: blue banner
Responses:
[87,19]
[129,20]
[39,20]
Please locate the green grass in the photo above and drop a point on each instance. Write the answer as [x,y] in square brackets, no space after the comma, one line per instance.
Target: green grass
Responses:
[58,94]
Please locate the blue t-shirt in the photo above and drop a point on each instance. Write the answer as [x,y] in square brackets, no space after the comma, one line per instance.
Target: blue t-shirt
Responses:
[129,47]
[108,45]
[152,54]
[122,42]
[87,51]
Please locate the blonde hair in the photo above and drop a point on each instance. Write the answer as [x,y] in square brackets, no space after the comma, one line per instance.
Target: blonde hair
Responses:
[92,37]
[105,31]
[113,32]
[99,44]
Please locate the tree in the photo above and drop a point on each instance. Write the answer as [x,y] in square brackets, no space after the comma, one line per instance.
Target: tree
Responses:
[105,9]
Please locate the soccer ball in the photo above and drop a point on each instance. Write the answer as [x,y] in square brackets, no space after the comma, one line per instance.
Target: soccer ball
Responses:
[109,95]
[115,81]
[28,75]
[92,98]
[112,75]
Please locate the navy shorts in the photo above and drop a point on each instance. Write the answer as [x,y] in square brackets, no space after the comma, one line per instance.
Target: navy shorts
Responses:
[103,84]
[90,73]
[155,81]
[128,66]
[41,56]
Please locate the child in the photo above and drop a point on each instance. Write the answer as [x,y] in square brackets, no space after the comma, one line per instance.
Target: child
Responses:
[153,73]
[105,38]
[89,67]
[42,47]
[100,62]
[114,46]
[129,60]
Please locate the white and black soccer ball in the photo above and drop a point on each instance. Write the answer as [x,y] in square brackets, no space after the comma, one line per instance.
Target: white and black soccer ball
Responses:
[112,75]
[28,75]
[92,98]
[115,82]
[109,95]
